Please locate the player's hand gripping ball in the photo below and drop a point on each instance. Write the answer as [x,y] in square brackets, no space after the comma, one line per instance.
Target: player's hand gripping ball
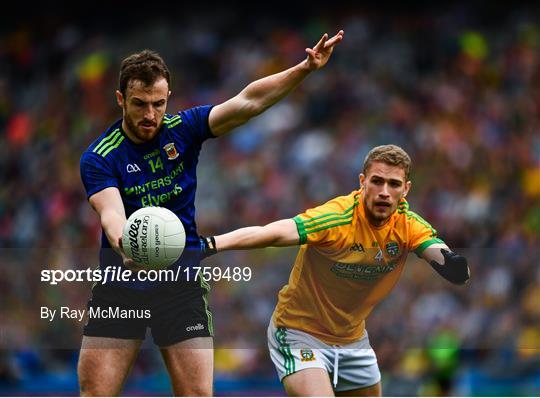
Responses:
[154,237]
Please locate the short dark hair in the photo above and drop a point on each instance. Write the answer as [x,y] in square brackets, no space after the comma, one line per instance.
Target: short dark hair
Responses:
[146,66]
[392,155]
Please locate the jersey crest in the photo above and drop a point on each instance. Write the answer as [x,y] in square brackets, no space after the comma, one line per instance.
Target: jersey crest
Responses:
[171,151]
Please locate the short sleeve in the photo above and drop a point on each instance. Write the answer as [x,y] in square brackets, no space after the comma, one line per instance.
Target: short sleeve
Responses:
[318,226]
[196,122]
[96,174]
[421,234]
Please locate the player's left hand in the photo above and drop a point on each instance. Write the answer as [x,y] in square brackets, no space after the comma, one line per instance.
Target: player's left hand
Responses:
[455,268]
[319,55]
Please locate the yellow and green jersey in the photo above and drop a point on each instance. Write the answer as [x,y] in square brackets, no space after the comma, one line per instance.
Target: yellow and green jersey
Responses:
[346,266]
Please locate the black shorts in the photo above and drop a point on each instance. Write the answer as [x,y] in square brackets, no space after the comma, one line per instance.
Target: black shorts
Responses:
[174,312]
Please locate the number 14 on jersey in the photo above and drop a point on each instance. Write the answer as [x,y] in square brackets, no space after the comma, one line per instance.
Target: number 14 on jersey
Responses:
[158,164]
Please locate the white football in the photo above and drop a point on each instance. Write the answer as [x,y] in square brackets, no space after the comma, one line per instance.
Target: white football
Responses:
[154,237]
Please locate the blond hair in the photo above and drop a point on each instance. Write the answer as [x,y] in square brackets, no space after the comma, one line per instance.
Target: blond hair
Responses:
[392,155]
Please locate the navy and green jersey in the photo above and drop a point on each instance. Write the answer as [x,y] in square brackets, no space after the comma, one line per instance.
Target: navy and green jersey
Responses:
[161,172]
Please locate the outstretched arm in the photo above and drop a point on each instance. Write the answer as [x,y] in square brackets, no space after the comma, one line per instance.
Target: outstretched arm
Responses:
[449,265]
[278,233]
[263,93]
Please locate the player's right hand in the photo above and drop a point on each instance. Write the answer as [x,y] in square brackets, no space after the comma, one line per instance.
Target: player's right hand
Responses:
[128,262]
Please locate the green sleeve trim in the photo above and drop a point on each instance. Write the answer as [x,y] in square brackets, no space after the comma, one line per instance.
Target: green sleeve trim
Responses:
[105,142]
[325,221]
[420,249]
[301,230]
[327,226]
[113,146]
[344,213]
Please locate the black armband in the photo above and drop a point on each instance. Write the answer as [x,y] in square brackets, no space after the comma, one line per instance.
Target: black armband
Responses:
[454,269]
[208,246]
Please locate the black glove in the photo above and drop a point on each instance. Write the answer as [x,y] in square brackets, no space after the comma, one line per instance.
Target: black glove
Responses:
[454,269]
[208,246]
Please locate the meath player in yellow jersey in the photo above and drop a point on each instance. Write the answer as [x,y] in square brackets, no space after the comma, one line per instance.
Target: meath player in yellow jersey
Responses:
[353,250]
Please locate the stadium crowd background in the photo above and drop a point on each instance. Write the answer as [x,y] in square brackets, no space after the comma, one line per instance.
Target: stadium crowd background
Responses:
[458,88]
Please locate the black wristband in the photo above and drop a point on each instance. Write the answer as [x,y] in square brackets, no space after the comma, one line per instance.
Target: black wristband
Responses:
[211,244]
[208,245]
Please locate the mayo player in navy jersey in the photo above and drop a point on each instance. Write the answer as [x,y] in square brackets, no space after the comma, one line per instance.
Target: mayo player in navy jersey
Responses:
[149,158]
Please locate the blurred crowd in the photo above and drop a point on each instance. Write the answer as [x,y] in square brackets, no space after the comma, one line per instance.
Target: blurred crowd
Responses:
[460,93]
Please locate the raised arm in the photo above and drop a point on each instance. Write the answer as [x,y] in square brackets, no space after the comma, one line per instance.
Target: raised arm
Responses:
[263,93]
[449,265]
[278,233]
